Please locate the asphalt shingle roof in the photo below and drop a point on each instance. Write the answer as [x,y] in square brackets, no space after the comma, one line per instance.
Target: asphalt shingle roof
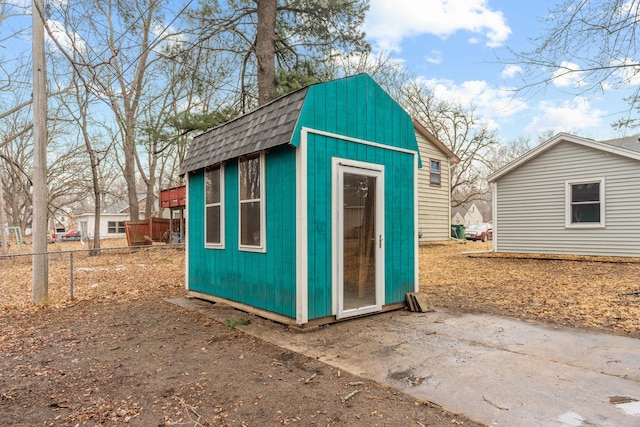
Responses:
[628,143]
[266,127]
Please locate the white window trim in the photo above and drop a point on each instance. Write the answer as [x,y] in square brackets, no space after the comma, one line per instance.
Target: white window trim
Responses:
[567,204]
[263,225]
[339,167]
[221,204]
[116,226]
[439,173]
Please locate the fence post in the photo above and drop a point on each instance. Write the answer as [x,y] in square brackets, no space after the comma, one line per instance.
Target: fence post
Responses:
[71,273]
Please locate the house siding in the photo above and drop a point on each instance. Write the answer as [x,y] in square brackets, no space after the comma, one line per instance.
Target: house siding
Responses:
[530,204]
[433,202]
[90,219]
[263,280]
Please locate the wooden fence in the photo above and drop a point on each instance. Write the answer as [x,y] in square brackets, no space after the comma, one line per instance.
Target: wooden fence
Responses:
[147,231]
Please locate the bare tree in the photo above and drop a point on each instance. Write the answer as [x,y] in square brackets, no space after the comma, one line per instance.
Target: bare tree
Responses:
[115,52]
[386,70]
[460,130]
[589,45]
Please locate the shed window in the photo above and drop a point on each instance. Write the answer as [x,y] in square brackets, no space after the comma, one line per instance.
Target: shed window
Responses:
[214,195]
[434,173]
[115,227]
[252,217]
[585,203]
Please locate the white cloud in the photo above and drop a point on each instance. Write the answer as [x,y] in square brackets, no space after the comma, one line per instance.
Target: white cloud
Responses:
[566,116]
[568,75]
[68,42]
[629,72]
[166,37]
[489,102]
[435,57]
[511,71]
[388,22]
[369,62]
[628,9]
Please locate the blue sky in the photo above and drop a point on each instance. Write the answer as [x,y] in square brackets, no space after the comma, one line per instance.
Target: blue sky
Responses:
[454,46]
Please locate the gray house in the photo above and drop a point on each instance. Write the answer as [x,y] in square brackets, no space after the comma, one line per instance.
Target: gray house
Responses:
[570,195]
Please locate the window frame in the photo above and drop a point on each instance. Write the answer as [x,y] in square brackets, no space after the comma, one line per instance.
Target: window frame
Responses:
[262,247]
[439,173]
[118,227]
[569,204]
[220,204]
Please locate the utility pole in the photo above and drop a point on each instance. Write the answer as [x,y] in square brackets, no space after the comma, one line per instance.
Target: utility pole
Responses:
[40,274]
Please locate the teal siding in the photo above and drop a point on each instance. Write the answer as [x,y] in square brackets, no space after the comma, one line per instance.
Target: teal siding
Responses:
[358,108]
[354,107]
[263,280]
[399,219]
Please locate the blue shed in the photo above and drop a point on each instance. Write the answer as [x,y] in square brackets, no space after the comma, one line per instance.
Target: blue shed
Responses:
[304,210]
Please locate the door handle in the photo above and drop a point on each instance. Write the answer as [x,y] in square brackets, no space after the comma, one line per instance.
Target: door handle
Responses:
[380,241]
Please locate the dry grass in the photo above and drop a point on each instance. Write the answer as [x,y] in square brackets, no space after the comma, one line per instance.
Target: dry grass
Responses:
[114,274]
[574,291]
[577,292]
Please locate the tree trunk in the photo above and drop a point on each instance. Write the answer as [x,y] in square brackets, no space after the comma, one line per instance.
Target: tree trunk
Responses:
[95,177]
[266,49]
[129,150]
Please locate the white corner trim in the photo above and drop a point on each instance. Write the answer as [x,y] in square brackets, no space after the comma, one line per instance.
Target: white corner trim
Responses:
[494,208]
[186,243]
[302,238]
[416,224]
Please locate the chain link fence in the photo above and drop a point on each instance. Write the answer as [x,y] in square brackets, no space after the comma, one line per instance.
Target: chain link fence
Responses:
[110,272]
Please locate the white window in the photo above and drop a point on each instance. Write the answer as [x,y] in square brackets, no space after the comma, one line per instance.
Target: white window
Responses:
[115,227]
[252,207]
[585,203]
[214,212]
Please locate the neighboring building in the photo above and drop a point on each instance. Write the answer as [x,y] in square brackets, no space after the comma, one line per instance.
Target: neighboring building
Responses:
[111,224]
[304,210]
[570,195]
[111,219]
[457,218]
[467,214]
[434,186]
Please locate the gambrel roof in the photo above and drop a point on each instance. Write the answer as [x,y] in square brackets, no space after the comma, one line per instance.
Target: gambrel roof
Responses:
[626,147]
[266,127]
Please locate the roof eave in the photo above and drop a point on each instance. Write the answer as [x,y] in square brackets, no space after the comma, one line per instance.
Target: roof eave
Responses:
[561,137]
[435,141]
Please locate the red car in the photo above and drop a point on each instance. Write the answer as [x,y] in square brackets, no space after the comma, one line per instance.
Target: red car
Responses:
[481,232]
[71,235]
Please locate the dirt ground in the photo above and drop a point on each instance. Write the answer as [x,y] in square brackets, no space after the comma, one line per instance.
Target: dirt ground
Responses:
[120,355]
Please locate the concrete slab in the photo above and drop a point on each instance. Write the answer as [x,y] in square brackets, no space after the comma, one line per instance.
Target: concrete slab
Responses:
[495,370]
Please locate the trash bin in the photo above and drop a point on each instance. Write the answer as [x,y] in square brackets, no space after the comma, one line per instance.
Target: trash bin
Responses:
[457,231]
